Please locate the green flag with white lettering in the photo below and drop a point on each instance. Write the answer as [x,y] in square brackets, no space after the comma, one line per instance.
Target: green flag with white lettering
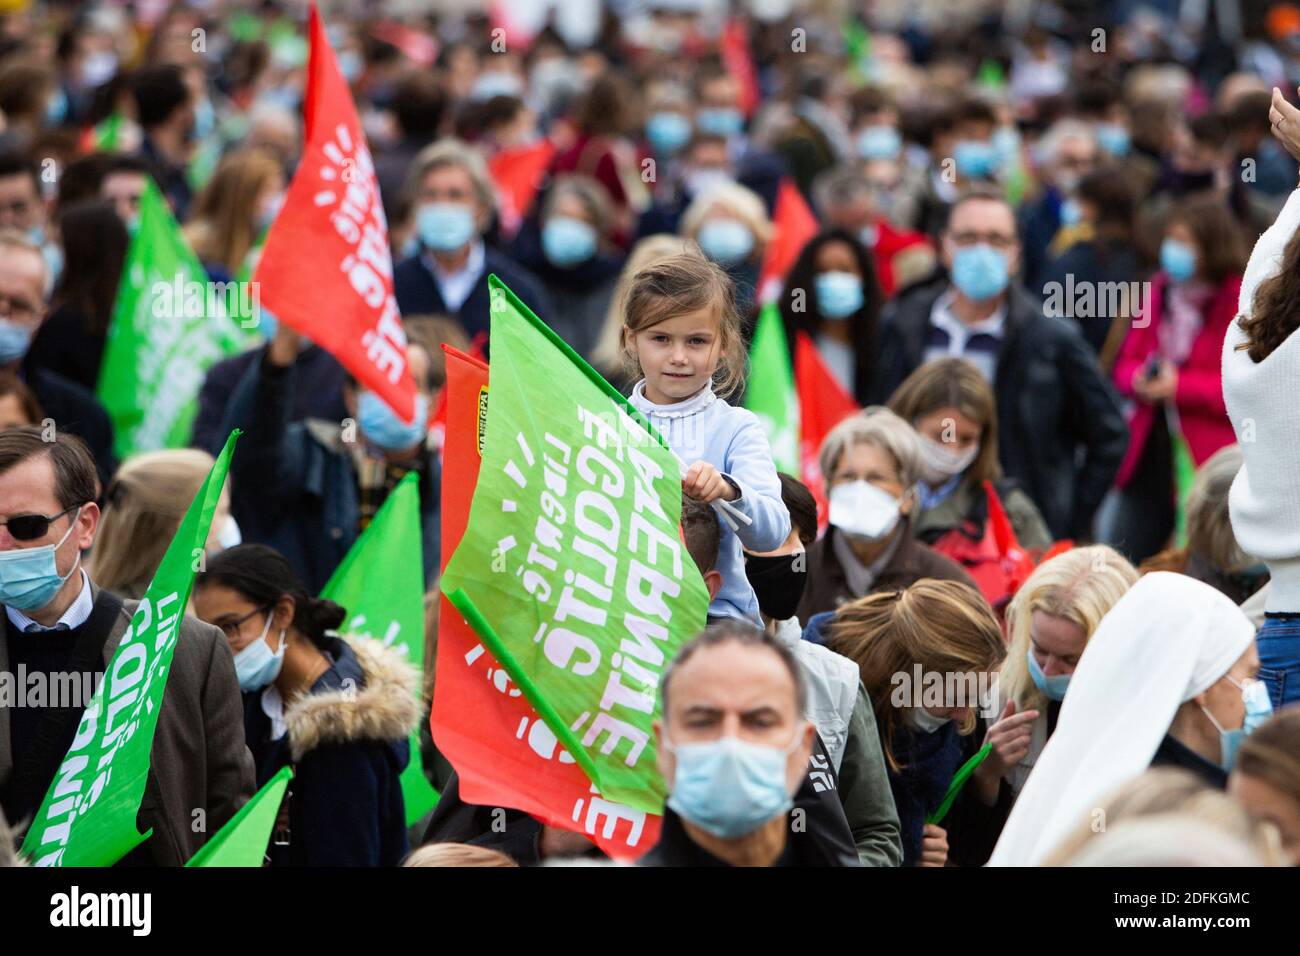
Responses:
[170,325]
[572,569]
[381,583]
[774,398]
[88,816]
[242,841]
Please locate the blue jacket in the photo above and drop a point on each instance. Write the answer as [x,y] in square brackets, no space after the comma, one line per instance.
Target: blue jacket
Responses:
[294,487]
[417,292]
[347,740]
[705,428]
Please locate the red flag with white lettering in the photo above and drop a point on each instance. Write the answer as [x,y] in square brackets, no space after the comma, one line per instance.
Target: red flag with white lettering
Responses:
[503,752]
[793,225]
[326,269]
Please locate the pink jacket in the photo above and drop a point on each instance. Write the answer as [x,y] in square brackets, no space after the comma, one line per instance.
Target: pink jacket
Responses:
[1199,397]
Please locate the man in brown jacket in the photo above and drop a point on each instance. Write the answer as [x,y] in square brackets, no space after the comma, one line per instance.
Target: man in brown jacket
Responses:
[56,623]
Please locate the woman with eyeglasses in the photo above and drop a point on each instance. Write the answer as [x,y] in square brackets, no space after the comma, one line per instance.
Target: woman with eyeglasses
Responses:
[339,712]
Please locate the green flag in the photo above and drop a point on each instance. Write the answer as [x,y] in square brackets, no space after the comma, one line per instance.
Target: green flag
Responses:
[776,402]
[88,816]
[242,841]
[381,583]
[170,325]
[1184,475]
[572,570]
[108,132]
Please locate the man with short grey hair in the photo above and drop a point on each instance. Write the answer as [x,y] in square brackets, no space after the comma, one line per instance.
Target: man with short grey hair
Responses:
[453,202]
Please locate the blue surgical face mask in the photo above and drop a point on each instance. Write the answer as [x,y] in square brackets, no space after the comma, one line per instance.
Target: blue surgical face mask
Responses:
[567,242]
[730,787]
[980,271]
[839,294]
[720,122]
[350,65]
[1113,138]
[1178,259]
[380,424]
[205,119]
[1006,144]
[444,226]
[975,158]
[257,665]
[879,142]
[1052,687]
[15,340]
[29,577]
[726,241]
[1070,214]
[668,132]
[56,108]
[1258,709]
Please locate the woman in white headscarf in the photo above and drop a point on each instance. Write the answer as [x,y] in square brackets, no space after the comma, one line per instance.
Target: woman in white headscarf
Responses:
[1169,678]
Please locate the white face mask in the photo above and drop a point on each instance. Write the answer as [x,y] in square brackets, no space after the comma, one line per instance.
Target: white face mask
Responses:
[861,510]
[924,721]
[941,461]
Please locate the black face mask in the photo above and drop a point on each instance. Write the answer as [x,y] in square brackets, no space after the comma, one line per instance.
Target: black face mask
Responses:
[778,581]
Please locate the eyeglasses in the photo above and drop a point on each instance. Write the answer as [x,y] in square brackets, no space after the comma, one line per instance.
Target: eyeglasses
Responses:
[31,527]
[231,628]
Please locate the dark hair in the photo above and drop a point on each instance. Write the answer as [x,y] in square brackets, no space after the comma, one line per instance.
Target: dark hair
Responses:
[75,480]
[1115,201]
[702,532]
[1220,246]
[95,242]
[603,110]
[419,105]
[82,178]
[1249,112]
[1096,97]
[869,100]
[14,163]
[801,504]
[11,384]
[974,111]
[21,83]
[801,288]
[159,92]
[1209,129]
[739,632]
[262,575]
[1275,310]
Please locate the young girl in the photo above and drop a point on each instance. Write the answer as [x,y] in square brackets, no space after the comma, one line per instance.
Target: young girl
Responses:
[681,337]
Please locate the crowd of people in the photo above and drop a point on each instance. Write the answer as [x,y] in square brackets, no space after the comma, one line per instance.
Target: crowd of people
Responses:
[1049,250]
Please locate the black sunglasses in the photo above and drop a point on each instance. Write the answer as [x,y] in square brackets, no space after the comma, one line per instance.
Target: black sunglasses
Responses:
[31,527]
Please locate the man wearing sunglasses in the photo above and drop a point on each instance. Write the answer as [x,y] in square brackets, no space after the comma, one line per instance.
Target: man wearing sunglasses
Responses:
[55,622]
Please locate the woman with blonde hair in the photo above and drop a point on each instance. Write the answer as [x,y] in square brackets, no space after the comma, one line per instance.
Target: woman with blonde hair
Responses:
[1049,623]
[962,491]
[731,225]
[926,655]
[143,507]
[236,207]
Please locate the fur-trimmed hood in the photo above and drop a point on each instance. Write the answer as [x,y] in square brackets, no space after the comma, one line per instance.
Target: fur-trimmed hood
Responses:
[381,706]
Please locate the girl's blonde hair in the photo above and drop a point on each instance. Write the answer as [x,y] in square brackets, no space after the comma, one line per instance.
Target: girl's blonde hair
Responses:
[954,383]
[223,225]
[944,626]
[144,505]
[607,356]
[1081,585]
[679,285]
[457,854]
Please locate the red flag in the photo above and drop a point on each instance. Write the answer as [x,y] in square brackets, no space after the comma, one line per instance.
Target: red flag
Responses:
[793,226]
[326,269]
[418,47]
[739,63]
[518,173]
[503,752]
[823,404]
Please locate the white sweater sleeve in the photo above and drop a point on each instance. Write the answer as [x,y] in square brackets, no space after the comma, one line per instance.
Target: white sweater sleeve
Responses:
[1266,257]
